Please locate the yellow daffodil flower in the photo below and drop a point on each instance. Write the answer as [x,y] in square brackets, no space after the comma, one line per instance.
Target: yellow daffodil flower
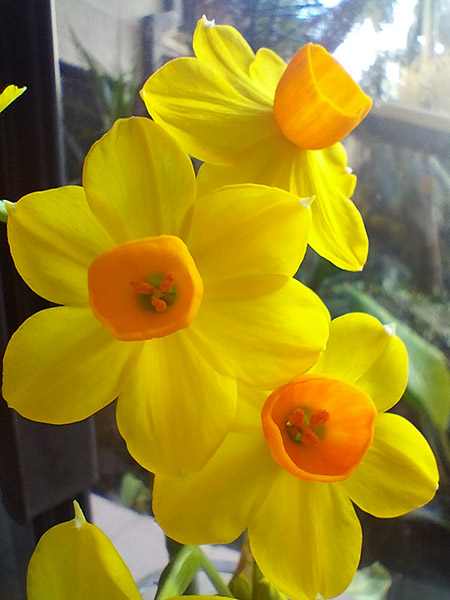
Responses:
[9,94]
[294,463]
[167,298]
[251,118]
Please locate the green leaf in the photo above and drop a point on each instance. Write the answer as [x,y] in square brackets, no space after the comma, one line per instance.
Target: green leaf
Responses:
[428,388]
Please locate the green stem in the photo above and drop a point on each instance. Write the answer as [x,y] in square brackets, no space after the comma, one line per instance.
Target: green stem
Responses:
[214,576]
[3,213]
[181,570]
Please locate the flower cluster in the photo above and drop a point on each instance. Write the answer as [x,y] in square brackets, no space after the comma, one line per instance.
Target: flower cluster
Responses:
[176,294]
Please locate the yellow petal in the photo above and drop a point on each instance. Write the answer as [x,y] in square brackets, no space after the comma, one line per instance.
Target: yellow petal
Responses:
[223,48]
[306,538]
[267,68]
[9,94]
[248,230]
[214,504]
[76,560]
[203,112]
[226,51]
[362,352]
[130,184]
[337,229]
[62,366]
[262,340]
[317,103]
[398,473]
[176,410]
[54,237]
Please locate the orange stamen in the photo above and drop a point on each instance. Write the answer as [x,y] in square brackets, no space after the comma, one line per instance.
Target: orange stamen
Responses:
[158,304]
[143,287]
[297,418]
[309,438]
[319,417]
[167,282]
[316,102]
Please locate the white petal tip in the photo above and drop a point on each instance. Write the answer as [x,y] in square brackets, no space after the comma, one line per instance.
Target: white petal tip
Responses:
[349,170]
[390,328]
[79,519]
[306,202]
[207,23]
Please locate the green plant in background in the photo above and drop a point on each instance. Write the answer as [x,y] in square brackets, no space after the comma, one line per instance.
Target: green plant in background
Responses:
[93,100]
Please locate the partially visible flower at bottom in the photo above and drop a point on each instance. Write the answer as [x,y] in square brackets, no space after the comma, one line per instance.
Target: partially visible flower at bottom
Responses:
[76,559]
[9,94]
[294,463]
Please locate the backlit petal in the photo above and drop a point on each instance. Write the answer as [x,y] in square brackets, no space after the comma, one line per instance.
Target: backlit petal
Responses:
[264,340]
[306,538]
[76,560]
[267,68]
[397,474]
[337,229]
[248,230]
[62,366]
[362,352]
[54,237]
[225,50]
[205,117]
[214,504]
[176,409]
[130,184]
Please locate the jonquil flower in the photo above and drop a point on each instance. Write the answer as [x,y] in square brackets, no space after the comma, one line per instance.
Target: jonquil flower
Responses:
[251,118]
[167,298]
[294,463]
[9,94]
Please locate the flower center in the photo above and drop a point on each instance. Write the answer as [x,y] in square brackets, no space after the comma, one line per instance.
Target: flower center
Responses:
[304,427]
[318,428]
[317,103]
[145,288]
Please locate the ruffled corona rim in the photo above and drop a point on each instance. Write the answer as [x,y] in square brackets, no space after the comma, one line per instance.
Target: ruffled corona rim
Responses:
[316,102]
[145,288]
[318,428]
